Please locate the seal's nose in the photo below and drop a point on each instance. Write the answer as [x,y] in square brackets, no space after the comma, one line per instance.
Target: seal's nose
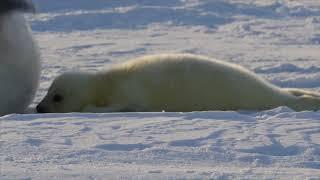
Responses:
[40,109]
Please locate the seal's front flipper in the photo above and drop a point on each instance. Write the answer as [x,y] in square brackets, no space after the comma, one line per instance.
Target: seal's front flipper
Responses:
[114,108]
[95,109]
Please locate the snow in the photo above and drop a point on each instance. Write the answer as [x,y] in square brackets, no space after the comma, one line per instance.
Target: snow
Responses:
[277,39]
[275,143]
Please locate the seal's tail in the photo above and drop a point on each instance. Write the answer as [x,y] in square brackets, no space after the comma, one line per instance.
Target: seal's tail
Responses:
[7,6]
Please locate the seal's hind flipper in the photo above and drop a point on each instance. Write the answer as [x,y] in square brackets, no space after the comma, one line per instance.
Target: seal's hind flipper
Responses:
[7,6]
[300,92]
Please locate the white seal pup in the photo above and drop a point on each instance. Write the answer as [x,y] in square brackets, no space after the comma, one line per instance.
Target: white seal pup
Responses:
[19,57]
[171,82]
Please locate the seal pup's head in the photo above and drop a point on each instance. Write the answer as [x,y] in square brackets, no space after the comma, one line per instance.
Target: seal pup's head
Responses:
[69,92]
[7,6]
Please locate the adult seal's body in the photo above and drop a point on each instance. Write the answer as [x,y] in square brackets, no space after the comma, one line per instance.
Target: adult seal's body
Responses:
[171,82]
[19,57]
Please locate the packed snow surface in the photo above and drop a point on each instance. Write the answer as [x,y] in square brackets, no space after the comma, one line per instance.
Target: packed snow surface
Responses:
[277,39]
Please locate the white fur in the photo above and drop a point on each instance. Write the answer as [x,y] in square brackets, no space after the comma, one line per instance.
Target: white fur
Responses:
[173,82]
[19,64]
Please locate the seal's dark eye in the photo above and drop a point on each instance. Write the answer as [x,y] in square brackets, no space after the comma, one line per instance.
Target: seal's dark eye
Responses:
[57,98]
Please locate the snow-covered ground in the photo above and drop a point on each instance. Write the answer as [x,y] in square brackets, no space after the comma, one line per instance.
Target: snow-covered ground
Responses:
[277,39]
